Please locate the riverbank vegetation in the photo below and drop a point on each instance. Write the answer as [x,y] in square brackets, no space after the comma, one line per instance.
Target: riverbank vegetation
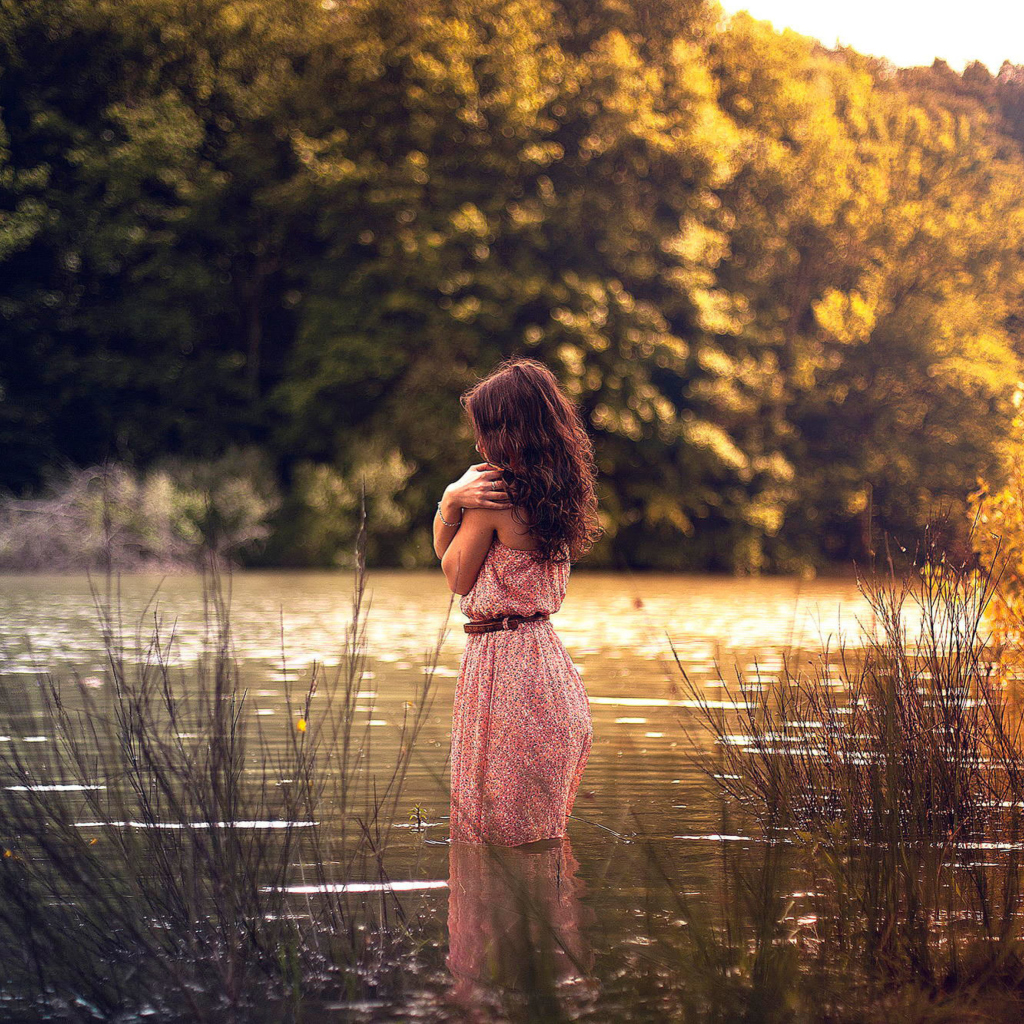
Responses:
[885,782]
[783,281]
[173,517]
[164,855]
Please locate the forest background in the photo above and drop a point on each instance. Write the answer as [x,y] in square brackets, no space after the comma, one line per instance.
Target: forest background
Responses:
[256,249]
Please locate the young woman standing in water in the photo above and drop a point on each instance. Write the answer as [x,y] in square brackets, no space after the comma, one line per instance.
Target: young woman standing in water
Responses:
[506,533]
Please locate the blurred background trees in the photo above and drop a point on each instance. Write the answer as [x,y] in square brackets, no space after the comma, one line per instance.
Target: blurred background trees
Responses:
[784,282]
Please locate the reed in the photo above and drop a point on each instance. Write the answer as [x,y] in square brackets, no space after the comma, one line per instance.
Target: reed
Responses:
[148,843]
[893,767]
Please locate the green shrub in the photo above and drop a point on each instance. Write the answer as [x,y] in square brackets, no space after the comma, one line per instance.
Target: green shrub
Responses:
[171,516]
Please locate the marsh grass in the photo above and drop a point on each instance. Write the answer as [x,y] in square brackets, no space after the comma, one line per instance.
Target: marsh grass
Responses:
[893,770]
[150,839]
[162,852]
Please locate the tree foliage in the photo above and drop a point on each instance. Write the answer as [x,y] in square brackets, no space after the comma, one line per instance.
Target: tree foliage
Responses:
[783,282]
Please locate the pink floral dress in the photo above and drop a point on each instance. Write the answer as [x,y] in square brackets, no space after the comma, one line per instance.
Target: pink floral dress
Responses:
[521,726]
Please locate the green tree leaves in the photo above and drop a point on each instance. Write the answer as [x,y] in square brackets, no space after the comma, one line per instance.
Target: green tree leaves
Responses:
[783,282]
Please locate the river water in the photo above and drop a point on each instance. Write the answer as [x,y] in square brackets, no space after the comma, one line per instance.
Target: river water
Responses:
[641,790]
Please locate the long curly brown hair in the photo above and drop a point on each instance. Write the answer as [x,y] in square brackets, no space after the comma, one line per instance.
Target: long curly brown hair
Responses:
[526,426]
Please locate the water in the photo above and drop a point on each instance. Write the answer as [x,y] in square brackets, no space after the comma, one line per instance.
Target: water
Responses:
[641,791]
[620,630]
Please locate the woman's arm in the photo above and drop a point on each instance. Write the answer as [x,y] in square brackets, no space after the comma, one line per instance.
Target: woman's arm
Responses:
[452,512]
[466,552]
[474,489]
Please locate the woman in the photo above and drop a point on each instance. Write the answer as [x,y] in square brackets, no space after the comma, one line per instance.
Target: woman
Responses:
[506,533]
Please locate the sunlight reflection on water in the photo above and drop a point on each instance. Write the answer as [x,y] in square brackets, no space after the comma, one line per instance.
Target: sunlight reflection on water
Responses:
[625,632]
[631,635]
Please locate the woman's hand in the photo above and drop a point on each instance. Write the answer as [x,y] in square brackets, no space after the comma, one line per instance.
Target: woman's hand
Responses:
[481,486]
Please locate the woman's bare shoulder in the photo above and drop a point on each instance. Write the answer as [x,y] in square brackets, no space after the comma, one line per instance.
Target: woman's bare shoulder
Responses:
[512,531]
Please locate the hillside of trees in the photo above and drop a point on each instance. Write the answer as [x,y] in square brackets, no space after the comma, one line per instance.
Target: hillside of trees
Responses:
[784,282]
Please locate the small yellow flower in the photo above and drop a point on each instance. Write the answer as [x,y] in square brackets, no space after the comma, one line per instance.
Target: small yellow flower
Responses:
[301,725]
[7,853]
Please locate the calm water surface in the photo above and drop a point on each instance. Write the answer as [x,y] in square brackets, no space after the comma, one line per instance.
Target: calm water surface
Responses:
[624,631]
[620,629]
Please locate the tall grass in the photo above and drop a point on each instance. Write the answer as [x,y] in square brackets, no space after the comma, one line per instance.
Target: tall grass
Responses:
[895,771]
[149,841]
[148,845]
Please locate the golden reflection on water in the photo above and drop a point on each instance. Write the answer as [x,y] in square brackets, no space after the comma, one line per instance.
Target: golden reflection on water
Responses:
[623,630]
[705,617]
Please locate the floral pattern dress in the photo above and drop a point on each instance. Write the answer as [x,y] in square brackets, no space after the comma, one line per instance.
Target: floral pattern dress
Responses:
[521,725]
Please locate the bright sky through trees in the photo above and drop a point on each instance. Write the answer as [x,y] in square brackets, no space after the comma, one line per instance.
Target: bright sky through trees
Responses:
[907,32]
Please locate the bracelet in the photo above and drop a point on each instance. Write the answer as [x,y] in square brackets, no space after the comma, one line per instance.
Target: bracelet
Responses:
[445,521]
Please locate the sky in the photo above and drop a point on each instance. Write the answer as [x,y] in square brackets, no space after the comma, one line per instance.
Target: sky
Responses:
[908,32]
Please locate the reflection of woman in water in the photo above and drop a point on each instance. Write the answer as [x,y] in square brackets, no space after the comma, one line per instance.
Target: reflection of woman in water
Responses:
[506,533]
[515,922]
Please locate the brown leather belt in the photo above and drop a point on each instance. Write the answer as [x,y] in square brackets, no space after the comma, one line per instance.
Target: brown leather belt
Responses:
[502,622]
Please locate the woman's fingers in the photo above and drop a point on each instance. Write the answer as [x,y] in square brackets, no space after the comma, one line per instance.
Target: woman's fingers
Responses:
[491,499]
